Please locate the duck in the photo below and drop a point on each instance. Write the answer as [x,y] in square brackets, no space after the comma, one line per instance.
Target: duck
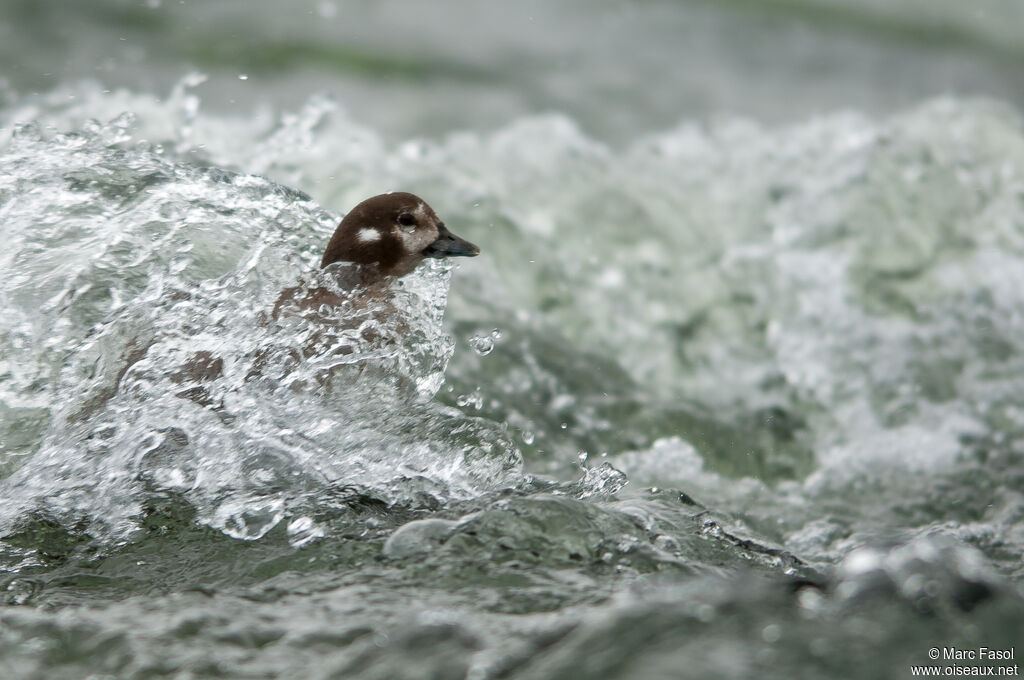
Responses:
[390,234]
[383,238]
[380,240]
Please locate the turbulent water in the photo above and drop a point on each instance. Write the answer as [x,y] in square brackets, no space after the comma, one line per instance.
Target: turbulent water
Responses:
[730,399]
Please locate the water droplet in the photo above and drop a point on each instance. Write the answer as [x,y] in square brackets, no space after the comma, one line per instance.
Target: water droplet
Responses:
[484,344]
[243,76]
[474,399]
[582,456]
[528,437]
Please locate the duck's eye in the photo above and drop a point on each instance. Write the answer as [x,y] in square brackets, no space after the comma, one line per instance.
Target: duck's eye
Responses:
[406,219]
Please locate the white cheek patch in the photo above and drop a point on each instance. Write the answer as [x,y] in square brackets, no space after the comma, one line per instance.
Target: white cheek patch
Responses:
[367,235]
[408,240]
[414,242]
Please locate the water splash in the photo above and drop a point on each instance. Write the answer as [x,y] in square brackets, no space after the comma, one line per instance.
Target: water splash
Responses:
[147,317]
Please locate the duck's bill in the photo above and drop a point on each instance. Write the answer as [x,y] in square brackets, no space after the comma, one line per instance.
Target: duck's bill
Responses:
[450,245]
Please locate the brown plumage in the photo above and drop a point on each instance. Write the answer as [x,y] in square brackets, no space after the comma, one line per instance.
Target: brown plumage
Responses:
[386,236]
[391,234]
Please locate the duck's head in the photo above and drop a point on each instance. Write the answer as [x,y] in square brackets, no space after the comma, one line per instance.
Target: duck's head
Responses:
[392,233]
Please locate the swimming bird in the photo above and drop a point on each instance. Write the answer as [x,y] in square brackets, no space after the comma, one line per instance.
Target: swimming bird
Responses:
[385,237]
[390,234]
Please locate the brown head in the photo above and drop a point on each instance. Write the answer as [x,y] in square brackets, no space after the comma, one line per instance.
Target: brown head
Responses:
[392,233]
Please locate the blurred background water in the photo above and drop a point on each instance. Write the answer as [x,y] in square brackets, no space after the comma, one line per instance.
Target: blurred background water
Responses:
[735,386]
